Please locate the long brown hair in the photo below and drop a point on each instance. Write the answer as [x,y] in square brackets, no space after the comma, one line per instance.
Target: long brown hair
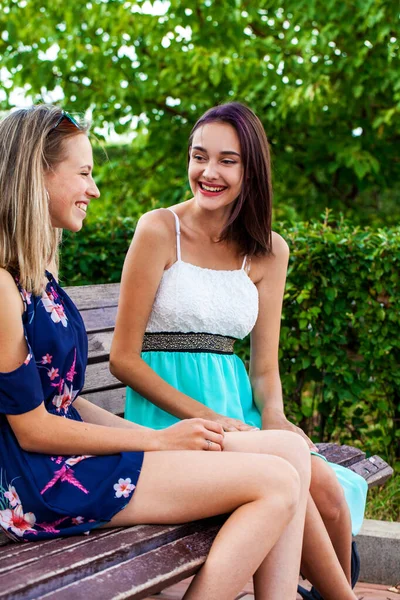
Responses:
[249,224]
[31,143]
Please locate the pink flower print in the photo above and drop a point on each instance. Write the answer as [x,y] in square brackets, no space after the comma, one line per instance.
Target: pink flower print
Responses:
[51,527]
[57,310]
[65,474]
[78,520]
[74,460]
[12,496]
[53,373]
[17,521]
[124,487]
[26,296]
[70,375]
[28,359]
[46,359]
[64,400]
[53,293]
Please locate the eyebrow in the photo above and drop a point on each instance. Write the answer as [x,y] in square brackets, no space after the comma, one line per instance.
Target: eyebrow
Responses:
[222,152]
[86,167]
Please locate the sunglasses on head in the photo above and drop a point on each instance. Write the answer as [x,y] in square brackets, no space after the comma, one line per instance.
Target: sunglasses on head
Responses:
[65,115]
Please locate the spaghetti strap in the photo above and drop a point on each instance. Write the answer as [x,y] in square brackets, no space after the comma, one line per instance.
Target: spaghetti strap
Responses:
[246,264]
[178,234]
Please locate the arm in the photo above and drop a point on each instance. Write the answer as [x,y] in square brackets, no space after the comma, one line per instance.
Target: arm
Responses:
[39,431]
[152,250]
[96,415]
[264,365]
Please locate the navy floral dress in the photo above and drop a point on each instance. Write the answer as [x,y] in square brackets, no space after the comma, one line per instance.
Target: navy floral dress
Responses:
[43,496]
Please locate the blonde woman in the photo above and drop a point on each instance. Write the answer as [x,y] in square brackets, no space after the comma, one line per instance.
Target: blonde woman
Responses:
[67,466]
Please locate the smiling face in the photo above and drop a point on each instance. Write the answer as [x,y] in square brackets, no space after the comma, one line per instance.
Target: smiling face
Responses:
[70,184]
[215,166]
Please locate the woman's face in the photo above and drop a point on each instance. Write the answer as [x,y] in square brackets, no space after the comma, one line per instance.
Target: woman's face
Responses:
[215,166]
[70,185]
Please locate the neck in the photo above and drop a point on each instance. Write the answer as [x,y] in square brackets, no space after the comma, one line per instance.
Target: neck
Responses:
[209,223]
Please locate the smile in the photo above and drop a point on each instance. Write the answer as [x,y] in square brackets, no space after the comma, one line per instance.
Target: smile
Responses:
[214,188]
[82,206]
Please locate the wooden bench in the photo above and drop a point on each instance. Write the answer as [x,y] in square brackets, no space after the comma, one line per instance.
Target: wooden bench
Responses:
[132,562]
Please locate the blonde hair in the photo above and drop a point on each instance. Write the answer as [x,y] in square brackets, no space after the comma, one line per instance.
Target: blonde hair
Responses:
[31,143]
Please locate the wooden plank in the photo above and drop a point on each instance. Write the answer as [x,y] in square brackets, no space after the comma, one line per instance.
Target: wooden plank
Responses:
[18,555]
[98,377]
[99,346]
[374,470]
[99,319]
[341,455]
[94,296]
[111,400]
[75,558]
[146,574]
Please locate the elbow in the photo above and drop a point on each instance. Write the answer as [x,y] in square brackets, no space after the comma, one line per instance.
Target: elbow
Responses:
[123,367]
[29,442]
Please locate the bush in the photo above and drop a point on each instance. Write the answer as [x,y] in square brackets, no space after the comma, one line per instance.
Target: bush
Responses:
[340,339]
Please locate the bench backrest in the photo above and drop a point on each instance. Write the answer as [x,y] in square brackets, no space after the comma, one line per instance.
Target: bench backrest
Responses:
[98,307]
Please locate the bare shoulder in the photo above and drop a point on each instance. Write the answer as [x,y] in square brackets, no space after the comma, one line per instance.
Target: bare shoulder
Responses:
[11,328]
[8,289]
[264,267]
[158,223]
[280,247]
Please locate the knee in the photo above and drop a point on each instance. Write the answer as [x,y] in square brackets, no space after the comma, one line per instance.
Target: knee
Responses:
[329,497]
[281,486]
[297,453]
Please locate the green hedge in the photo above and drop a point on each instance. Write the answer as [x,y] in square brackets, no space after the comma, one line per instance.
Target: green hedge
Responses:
[340,341]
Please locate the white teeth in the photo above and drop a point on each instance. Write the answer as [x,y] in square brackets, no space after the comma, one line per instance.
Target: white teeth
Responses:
[82,206]
[207,188]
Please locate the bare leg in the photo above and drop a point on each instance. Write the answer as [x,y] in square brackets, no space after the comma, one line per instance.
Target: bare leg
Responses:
[329,498]
[284,558]
[319,560]
[262,492]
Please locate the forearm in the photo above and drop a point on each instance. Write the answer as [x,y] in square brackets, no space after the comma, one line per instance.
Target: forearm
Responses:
[267,391]
[52,434]
[96,415]
[134,372]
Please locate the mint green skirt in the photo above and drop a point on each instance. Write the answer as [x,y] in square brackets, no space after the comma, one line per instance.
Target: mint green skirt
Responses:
[221,382]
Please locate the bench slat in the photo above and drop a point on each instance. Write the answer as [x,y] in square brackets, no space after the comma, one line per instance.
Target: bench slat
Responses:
[374,470]
[144,575]
[94,296]
[111,400]
[75,558]
[98,377]
[99,346]
[341,455]
[99,319]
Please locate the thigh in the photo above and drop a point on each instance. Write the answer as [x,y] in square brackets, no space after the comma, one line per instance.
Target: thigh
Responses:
[175,487]
[285,444]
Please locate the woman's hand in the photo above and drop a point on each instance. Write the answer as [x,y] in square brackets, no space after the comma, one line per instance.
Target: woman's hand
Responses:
[229,424]
[191,434]
[275,419]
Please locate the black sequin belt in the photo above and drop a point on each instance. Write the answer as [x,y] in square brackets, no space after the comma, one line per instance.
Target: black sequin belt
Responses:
[187,342]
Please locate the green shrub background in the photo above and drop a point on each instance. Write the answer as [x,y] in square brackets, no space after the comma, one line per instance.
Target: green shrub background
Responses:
[340,348]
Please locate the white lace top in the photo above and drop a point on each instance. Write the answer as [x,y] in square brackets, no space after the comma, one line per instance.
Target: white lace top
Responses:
[194,299]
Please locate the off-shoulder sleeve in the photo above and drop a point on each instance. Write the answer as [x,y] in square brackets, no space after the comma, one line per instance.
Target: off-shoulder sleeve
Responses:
[21,390]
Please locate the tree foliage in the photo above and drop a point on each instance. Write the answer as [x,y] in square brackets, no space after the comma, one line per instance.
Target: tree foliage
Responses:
[321,74]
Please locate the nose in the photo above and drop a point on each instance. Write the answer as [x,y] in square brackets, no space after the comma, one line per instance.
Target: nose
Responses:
[93,191]
[210,171]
